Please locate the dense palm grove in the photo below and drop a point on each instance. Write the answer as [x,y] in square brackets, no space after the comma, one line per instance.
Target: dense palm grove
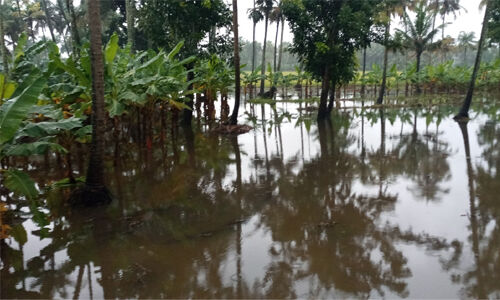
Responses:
[59,94]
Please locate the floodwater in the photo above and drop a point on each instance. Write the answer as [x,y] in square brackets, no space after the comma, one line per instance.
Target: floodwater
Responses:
[393,203]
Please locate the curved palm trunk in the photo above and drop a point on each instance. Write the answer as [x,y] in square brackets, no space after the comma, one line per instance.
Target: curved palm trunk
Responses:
[95,191]
[464,111]
[234,116]
[386,56]
[130,11]
[263,71]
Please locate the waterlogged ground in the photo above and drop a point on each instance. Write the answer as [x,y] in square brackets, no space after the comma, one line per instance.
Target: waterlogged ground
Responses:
[394,203]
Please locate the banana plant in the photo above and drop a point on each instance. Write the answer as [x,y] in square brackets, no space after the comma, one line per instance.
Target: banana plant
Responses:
[12,114]
[250,80]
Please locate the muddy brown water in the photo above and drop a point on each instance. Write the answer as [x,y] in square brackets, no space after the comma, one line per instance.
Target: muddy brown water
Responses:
[394,203]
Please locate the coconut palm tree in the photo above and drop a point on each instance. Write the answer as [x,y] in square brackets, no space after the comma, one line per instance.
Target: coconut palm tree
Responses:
[449,7]
[95,191]
[276,17]
[256,15]
[419,37]
[266,7]
[234,116]
[47,19]
[443,8]
[466,40]
[464,111]
[390,8]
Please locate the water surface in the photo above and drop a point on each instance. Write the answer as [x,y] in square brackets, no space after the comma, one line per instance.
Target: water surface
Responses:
[392,203]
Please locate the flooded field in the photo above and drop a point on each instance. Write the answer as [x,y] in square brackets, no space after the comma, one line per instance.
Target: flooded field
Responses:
[392,203]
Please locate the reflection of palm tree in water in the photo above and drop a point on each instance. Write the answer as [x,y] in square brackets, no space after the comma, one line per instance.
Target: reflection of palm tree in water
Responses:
[482,280]
[325,233]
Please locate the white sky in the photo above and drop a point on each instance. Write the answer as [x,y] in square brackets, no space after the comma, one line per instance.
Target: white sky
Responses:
[470,20]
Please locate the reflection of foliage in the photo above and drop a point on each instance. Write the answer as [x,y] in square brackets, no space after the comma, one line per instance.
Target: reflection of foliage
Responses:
[175,228]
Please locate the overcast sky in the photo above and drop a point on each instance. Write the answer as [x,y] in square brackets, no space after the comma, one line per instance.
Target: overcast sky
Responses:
[467,20]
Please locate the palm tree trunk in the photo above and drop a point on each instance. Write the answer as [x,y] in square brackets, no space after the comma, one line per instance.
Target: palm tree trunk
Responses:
[419,58]
[5,62]
[253,42]
[188,113]
[386,56]
[281,44]
[442,29]
[363,85]
[276,45]
[95,190]
[464,111]
[263,71]
[130,11]
[74,28]
[234,116]
[47,18]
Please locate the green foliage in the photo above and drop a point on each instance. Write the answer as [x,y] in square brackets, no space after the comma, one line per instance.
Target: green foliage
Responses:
[192,22]
[14,110]
[326,33]
[20,183]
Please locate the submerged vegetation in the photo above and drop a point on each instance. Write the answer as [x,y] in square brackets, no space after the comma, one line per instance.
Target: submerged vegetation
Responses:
[139,107]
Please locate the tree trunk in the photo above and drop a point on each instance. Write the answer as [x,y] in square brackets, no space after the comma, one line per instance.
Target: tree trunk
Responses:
[188,113]
[325,86]
[386,56]
[130,11]
[234,116]
[363,85]
[5,62]
[442,29]
[74,28]
[419,57]
[332,97]
[95,191]
[47,18]
[263,71]
[464,111]
[276,45]
[253,50]
[281,44]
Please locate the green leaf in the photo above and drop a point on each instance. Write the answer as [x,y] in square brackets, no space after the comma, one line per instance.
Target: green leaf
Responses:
[14,111]
[6,88]
[175,51]
[116,109]
[43,129]
[19,234]
[35,148]
[20,183]
[111,49]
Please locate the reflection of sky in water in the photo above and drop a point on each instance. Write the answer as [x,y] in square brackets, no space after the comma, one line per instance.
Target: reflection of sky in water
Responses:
[445,216]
